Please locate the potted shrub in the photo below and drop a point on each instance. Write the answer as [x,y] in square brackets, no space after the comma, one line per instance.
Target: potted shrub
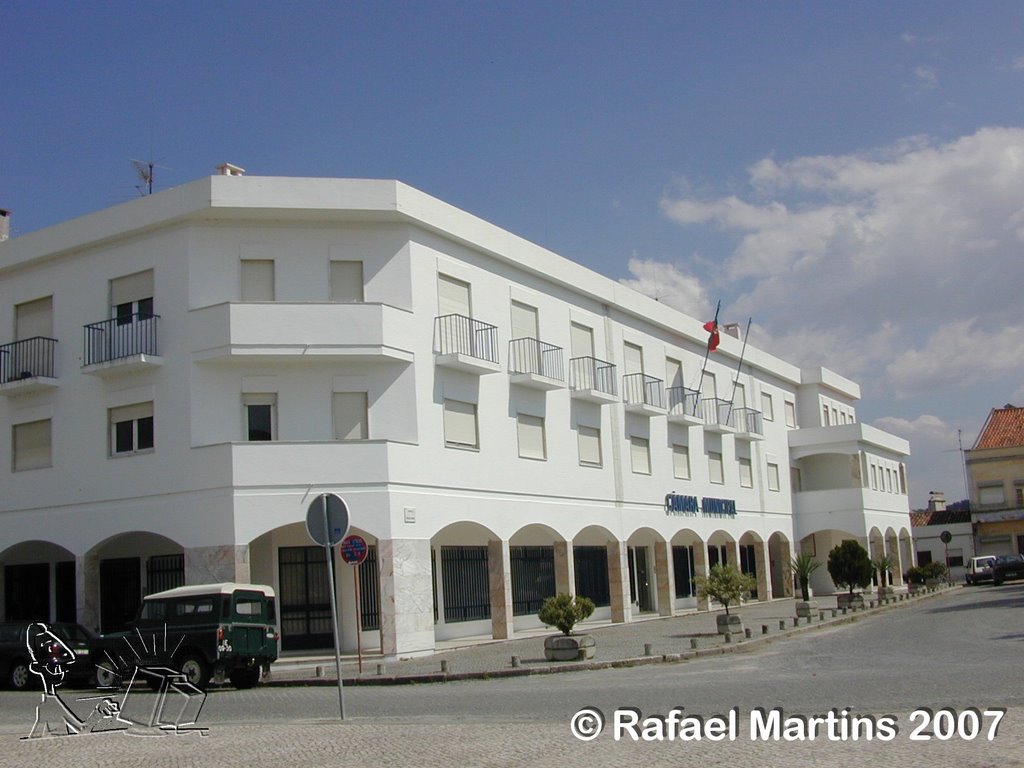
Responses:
[934,572]
[563,612]
[915,577]
[850,566]
[728,586]
[803,566]
[882,565]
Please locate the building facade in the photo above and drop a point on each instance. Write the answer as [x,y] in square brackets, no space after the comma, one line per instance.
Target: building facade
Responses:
[181,375]
[995,467]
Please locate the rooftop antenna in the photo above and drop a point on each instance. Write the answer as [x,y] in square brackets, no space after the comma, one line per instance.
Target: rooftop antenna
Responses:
[145,172]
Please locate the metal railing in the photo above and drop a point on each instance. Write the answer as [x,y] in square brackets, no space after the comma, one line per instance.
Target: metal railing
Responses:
[748,420]
[683,401]
[591,373]
[641,389]
[458,334]
[535,356]
[121,337]
[28,359]
[717,411]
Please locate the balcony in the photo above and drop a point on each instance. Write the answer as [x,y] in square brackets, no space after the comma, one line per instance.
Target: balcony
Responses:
[643,394]
[27,366]
[466,344]
[718,415]
[592,380]
[295,332]
[684,406]
[536,364]
[749,424]
[125,344]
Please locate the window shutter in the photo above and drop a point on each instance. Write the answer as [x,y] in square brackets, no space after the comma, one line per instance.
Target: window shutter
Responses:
[460,423]
[453,297]
[681,462]
[257,280]
[32,445]
[131,412]
[581,340]
[350,416]
[524,321]
[347,281]
[634,358]
[715,471]
[34,318]
[531,436]
[640,457]
[131,288]
[589,440]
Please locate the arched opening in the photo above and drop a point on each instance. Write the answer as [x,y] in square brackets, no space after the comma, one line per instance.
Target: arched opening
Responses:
[818,545]
[753,562]
[689,559]
[649,573]
[461,563]
[598,572]
[38,582]
[541,566]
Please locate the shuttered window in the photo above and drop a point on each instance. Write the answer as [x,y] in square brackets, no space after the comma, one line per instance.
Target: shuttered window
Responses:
[746,474]
[991,494]
[131,428]
[31,445]
[589,440]
[640,455]
[708,387]
[673,373]
[715,471]
[257,280]
[634,358]
[260,414]
[773,476]
[453,297]
[581,340]
[681,462]
[460,430]
[131,288]
[350,416]
[347,281]
[34,318]
[530,430]
[524,321]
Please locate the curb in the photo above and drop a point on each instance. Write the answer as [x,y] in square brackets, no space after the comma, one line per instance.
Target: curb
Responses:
[741,646]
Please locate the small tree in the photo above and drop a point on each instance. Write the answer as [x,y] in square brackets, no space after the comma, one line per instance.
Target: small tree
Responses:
[726,585]
[803,566]
[935,570]
[564,611]
[883,564]
[850,566]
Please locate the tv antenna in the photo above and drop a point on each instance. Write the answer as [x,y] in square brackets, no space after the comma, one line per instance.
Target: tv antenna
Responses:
[145,172]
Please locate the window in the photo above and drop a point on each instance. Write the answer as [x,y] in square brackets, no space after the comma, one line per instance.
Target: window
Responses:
[33,318]
[347,281]
[681,462]
[1018,495]
[767,407]
[795,480]
[257,280]
[746,474]
[773,476]
[640,455]
[350,416]
[633,358]
[673,373]
[991,494]
[525,322]
[824,416]
[260,416]
[30,445]
[790,408]
[589,441]
[581,340]
[716,472]
[530,430]
[874,477]
[131,297]
[955,557]
[460,429]
[452,296]
[739,396]
[708,387]
[131,429]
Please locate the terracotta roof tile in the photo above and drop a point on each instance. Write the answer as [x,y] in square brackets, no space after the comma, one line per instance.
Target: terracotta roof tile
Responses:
[1003,429]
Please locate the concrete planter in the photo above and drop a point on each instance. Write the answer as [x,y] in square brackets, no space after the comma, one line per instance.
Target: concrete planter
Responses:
[806,609]
[569,647]
[846,600]
[730,623]
[886,593]
[916,588]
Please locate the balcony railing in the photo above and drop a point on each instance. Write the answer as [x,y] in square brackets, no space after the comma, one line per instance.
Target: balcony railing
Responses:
[683,401]
[461,335]
[641,389]
[124,336]
[748,420]
[28,359]
[717,412]
[591,373]
[536,357]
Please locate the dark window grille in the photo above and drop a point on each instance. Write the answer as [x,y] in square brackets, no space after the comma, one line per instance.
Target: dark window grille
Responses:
[164,572]
[748,564]
[123,336]
[535,356]
[533,578]
[591,565]
[28,359]
[458,334]
[369,590]
[464,579]
[591,373]
[305,598]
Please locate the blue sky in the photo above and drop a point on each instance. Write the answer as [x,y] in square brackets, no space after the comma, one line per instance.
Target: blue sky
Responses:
[849,174]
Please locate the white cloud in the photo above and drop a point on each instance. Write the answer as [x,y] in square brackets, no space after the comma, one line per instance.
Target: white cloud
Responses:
[935,462]
[668,284]
[927,77]
[901,265]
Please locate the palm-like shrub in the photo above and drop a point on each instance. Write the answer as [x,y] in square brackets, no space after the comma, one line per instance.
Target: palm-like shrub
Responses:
[803,566]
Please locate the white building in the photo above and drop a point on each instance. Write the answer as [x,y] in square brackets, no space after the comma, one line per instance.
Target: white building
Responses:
[182,374]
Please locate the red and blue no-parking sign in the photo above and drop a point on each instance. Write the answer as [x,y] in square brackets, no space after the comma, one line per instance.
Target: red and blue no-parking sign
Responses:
[353,549]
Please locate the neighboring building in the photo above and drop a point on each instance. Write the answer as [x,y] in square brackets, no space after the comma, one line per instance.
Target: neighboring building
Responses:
[184,373]
[928,527]
[995,466]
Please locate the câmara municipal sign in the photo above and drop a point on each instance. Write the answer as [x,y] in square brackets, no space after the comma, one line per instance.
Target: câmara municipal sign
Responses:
[680,505]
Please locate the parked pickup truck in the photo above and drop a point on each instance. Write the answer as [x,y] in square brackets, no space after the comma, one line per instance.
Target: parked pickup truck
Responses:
[205,631]
[1007,567]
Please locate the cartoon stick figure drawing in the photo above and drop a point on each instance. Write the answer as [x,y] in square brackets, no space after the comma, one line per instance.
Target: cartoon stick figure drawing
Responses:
[54,717]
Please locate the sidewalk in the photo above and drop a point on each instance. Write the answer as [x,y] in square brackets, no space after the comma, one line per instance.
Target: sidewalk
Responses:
[669,639]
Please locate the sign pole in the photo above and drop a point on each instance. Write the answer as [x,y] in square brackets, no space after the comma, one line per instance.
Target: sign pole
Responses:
[329,551]
[359,621]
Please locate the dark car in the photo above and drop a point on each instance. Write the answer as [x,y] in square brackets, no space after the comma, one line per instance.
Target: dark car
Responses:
[15,659]
[1007,567]
[204,631]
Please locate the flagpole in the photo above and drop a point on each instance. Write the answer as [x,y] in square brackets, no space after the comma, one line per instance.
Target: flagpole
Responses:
[743,351]
[704,365]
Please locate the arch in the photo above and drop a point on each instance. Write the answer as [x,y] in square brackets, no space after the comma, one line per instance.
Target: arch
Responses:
[689,560]
[38,582]
[818,544]
[535,534]
[753,561]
